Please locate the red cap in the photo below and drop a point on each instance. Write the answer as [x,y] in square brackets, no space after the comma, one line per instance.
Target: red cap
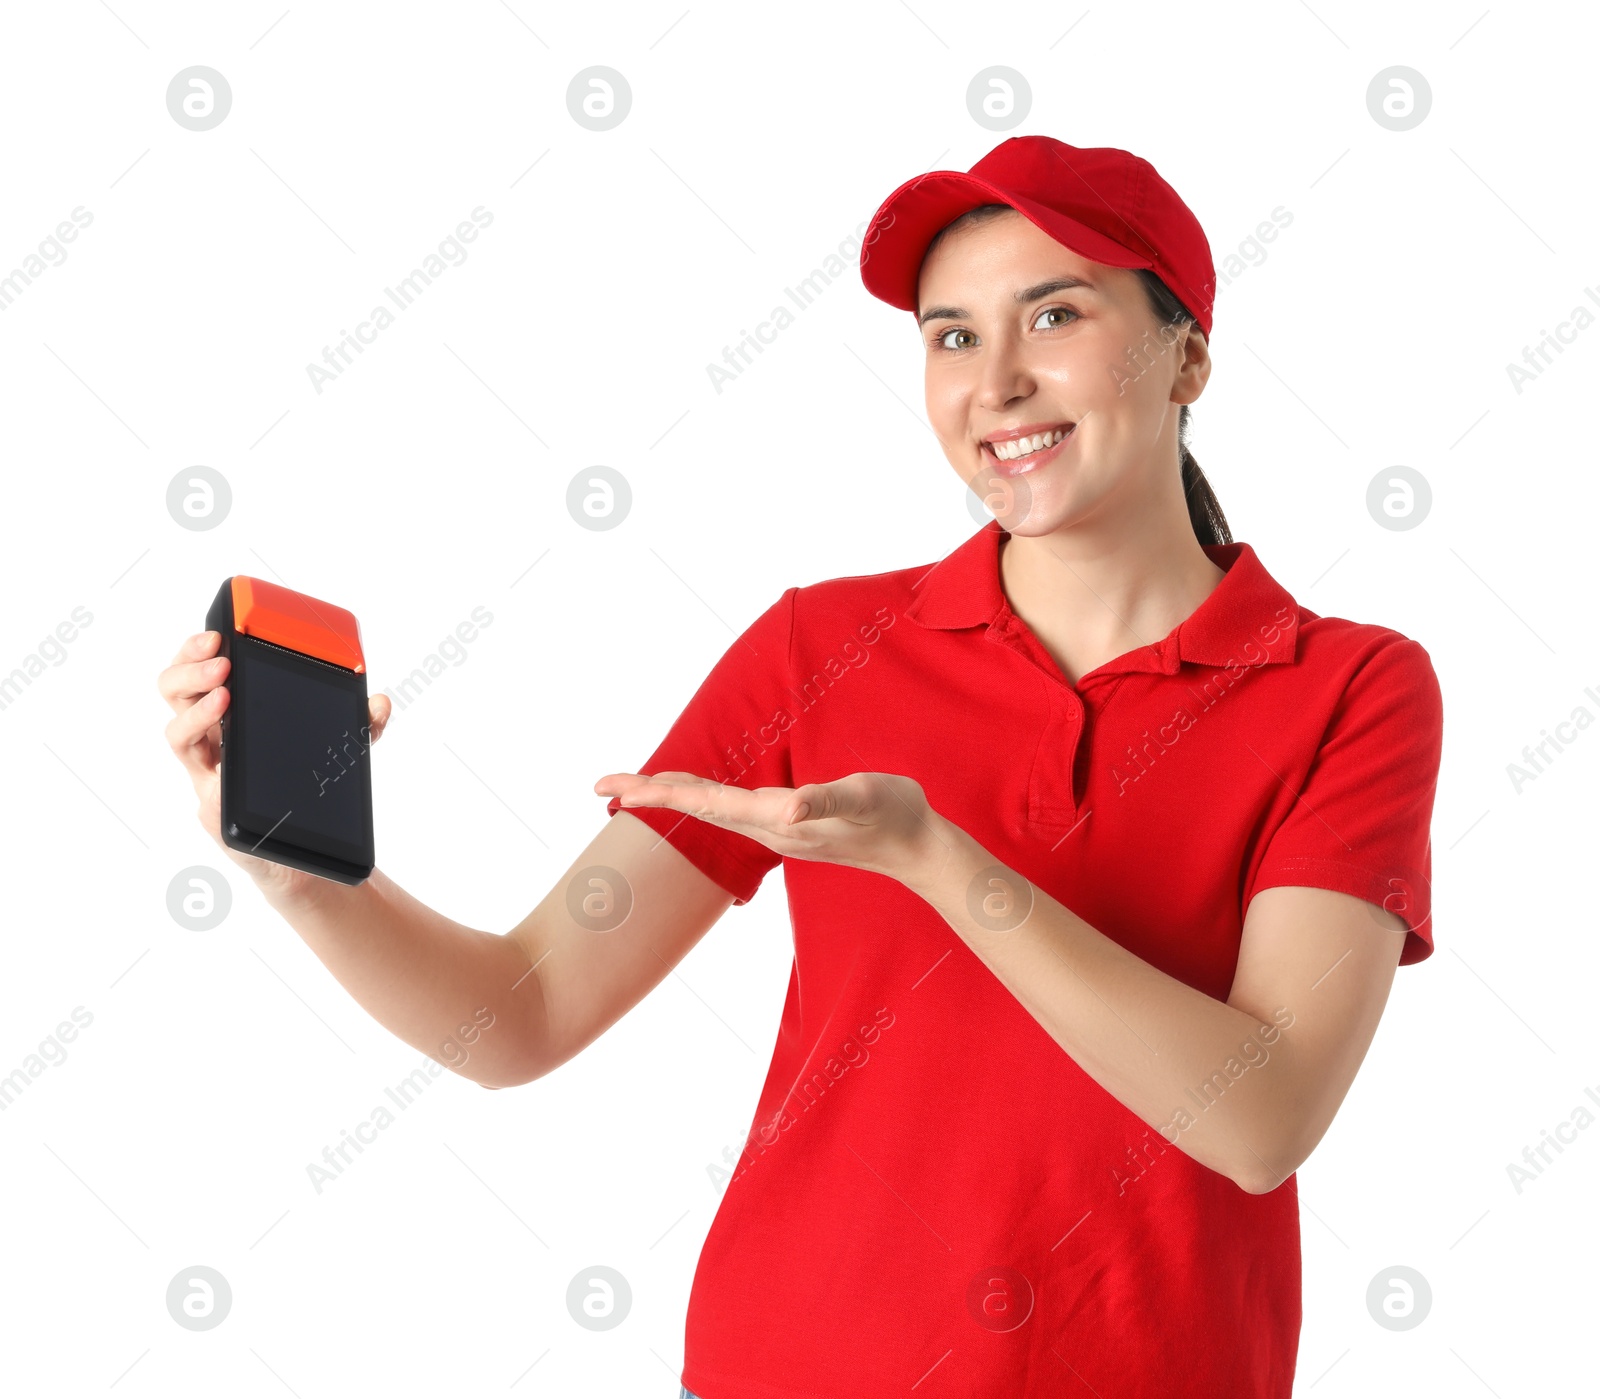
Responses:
[1102,203]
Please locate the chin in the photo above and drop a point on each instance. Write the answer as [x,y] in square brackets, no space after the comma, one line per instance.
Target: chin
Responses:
[1037,524]
[1046,514]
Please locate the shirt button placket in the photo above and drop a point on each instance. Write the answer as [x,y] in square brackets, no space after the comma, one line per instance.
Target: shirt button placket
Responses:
[1051,795]
[1073,738]
[1052,799]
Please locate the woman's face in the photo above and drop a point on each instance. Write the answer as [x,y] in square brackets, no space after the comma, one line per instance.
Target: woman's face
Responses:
[1012,346]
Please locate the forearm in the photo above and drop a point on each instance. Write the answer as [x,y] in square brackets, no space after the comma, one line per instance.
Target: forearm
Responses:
[1156,1044]
[466,998]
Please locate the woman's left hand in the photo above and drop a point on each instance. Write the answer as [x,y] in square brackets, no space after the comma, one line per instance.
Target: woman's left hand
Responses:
[876,821]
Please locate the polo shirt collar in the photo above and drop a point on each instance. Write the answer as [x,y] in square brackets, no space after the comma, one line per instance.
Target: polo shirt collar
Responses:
[1229,627]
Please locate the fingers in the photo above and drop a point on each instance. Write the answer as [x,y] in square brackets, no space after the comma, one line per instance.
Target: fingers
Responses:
[194,672]
[635,789]
[199,645]
[681,791]
[619,783]
[196,737]
[850,797]
[379,709]
[721,803]
[192,686]
[738,808]
[192,724]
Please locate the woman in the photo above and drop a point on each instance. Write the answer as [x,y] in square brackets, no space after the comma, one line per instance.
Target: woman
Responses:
[1094,923]
[1100,853]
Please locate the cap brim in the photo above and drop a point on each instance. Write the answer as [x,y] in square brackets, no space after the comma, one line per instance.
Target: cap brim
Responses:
[898,236]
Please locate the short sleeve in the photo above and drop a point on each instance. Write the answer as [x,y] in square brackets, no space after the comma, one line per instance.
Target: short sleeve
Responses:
[1360,822]
[735,729]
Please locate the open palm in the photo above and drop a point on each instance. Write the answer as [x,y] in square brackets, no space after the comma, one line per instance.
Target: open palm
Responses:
[874,821]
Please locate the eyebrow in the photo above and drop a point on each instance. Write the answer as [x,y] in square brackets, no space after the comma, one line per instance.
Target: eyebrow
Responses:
[1027,294]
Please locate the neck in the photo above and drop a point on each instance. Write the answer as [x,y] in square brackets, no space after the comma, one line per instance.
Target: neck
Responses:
[1091,597]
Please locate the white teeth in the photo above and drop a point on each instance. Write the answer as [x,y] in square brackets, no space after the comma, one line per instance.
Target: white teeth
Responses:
[1021,446]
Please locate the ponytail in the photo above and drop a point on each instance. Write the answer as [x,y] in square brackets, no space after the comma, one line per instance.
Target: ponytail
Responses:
[1205,513]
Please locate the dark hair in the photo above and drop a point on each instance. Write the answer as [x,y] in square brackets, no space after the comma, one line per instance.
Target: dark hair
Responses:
[1205,513]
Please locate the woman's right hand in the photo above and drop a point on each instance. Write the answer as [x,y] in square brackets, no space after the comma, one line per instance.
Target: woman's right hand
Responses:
[193,686]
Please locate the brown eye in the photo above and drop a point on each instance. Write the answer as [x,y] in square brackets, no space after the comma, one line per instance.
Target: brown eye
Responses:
[944,339]
[1056,311]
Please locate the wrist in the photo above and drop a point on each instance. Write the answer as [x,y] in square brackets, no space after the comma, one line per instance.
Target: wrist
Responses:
[295,894]
[944,849]
[285,891]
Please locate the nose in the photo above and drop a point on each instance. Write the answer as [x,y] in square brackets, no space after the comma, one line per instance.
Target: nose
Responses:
[1005,375]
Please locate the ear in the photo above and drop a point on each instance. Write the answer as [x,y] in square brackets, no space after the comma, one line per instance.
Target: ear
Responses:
[1194,365]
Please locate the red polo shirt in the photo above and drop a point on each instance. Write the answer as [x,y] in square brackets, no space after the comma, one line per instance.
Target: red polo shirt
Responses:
[933,1195]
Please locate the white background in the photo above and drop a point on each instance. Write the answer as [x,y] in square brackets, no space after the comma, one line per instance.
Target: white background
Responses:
[431,478]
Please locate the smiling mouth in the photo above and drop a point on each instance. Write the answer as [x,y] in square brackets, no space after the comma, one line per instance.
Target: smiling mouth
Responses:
[1021,449]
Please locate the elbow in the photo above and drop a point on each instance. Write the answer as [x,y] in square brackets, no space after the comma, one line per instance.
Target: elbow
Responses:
[516,1080]
[516,1060]
[1261,1174]
[1259,1177]
[1257,1182]
[503,1075]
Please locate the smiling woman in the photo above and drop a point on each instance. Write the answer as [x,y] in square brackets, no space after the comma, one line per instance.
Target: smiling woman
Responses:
[1071,959]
